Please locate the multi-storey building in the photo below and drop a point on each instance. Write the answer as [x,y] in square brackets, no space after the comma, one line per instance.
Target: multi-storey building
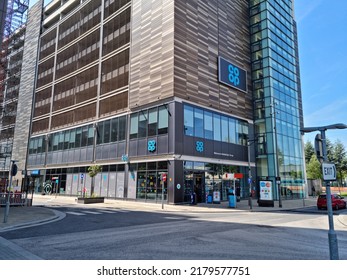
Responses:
[169,97]
[12,32]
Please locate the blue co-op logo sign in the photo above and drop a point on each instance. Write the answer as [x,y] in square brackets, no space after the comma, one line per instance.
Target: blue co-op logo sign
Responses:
[231,75]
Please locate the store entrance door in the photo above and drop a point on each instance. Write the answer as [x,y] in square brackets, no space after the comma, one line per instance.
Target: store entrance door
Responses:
[199,186]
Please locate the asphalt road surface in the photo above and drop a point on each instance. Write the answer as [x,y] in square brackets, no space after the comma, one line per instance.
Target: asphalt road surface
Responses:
[109,234]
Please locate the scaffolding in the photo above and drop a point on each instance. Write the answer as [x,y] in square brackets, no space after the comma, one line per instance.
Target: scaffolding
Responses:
[12,23]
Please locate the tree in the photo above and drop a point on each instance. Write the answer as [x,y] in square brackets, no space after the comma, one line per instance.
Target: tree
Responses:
[309,151]
[92,172]
[339,158]
[313,168]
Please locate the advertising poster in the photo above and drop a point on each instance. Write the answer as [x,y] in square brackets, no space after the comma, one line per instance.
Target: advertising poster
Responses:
[266,190]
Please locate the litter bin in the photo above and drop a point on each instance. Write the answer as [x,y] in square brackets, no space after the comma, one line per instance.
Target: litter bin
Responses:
[209,198]
[193,198]
[232,199]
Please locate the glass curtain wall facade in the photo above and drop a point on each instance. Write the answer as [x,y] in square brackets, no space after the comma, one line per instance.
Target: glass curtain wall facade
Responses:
[277,96]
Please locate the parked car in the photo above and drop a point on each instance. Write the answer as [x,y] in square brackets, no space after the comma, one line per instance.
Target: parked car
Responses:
[337,201]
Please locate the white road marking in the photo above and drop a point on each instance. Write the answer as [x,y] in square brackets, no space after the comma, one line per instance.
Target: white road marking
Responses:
[75,213]
[92,212]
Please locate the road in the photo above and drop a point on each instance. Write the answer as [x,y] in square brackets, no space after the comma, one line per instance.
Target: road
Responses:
[109,233]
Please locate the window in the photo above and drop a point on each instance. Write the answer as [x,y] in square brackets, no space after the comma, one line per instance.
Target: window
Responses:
[134,126]
[216,126]
[122,128]
[198,123]
[232,131]
[55,141]
[90,135]
[114,130]
[152,122]
[84,137]
[225,126]
[100,133]
[163,120]
[142,124]
[66,139]
[107,125]
[208,127]
[72,139]
[78,137]
[188,121]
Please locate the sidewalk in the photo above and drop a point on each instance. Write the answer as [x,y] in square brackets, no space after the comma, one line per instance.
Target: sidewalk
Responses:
[40,213]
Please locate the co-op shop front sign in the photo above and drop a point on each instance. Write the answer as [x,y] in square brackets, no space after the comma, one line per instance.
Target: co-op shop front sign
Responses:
[232,75]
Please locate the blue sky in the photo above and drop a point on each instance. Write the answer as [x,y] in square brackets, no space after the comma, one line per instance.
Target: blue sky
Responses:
[323,63]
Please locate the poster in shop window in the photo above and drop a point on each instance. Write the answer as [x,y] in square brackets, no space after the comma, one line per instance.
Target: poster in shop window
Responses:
[266,190]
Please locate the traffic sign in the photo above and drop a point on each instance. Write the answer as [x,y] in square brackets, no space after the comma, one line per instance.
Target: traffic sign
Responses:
[329,171]
[164,177]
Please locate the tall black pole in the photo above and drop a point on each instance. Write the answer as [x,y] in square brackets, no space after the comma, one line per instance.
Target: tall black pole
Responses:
[333,246]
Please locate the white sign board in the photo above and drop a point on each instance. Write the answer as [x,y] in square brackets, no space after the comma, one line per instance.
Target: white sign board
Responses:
[329,171]
[266,190]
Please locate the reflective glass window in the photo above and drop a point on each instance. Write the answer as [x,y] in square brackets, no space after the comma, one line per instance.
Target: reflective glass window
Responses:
[188,121]
[152,121]
[134,125]
[142,124]
[216,127]
[163,121]
[208,125]
[198,123]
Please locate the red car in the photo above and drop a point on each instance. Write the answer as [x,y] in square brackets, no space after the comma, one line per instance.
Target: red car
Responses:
[336,201]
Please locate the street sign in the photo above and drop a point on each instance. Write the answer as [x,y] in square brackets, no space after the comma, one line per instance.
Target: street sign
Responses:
[278,180]
[329,171]
[318,146]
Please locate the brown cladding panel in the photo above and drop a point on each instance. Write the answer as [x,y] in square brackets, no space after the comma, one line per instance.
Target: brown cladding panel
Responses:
[205,30]
[151,58]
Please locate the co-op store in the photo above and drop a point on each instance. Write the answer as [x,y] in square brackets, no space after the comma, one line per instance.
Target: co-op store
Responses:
[193,147]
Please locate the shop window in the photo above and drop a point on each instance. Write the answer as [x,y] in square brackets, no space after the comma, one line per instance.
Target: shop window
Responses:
[162,165]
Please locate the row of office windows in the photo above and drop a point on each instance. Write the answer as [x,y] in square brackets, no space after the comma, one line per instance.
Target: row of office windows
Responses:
[108,131]
[154,121]
[210,125]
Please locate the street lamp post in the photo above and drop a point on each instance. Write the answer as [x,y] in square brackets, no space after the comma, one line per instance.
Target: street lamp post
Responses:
[333,246]
[249,142]
[277,174]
